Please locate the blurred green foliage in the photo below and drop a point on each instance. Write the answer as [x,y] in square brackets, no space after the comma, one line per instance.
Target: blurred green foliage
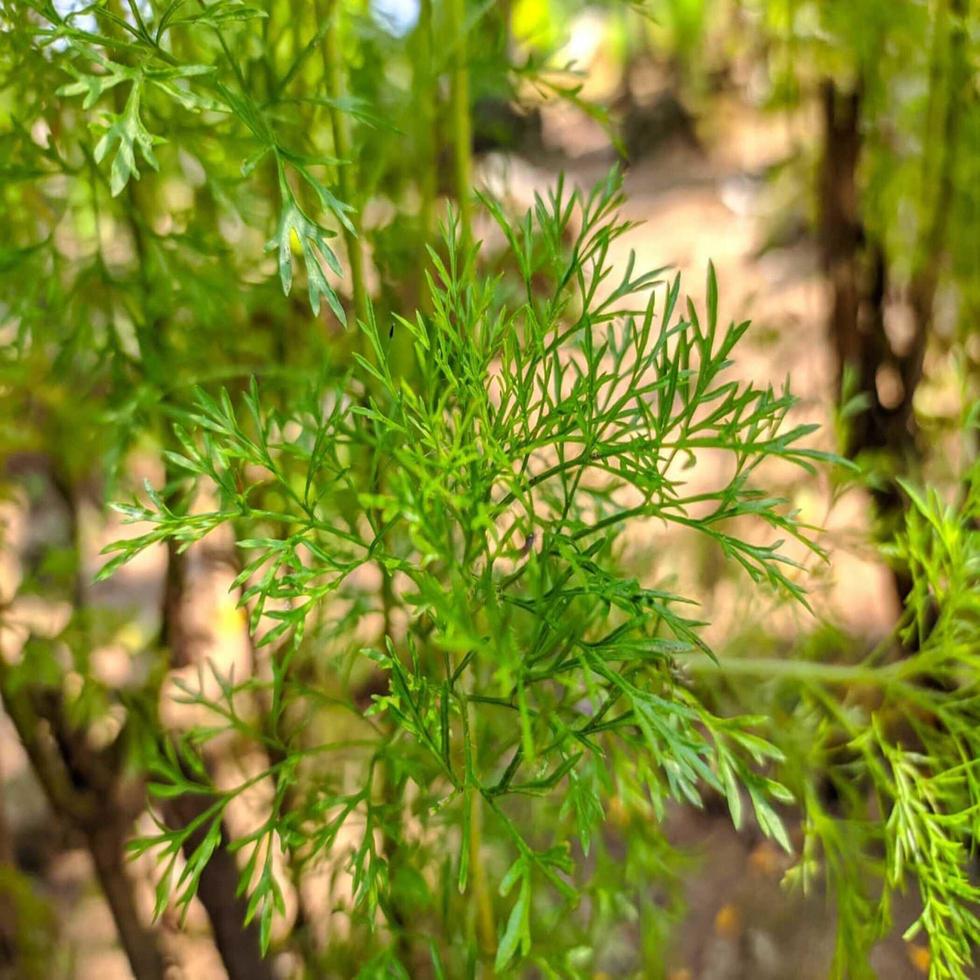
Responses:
[223,263]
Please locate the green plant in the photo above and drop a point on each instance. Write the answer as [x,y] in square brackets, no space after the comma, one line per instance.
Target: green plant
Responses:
[476,687]
[895,203]
[881,750]
[528,670]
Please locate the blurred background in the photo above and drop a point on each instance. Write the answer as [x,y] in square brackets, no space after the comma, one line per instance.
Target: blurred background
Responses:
[824,155]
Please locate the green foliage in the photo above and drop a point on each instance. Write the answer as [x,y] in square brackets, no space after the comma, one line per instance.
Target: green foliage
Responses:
[475,693]
[914,68]
[535,429]
[882,752]
[28,927]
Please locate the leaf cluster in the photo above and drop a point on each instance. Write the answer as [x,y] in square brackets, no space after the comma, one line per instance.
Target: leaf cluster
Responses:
[492,484]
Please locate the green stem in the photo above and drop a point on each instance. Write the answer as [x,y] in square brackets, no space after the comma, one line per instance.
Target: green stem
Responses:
[425,102]
[486,929]
[461,127]
[336,84]
[802,670]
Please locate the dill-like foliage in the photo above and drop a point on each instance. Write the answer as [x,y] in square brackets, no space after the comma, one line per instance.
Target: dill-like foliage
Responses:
[490,482]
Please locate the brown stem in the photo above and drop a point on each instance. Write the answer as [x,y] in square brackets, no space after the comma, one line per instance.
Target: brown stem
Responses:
[106,844]
[944,146]
[6,839]
[91,809]
[841,231]
[240,952]
[238,945]
[83,787]
[857,269]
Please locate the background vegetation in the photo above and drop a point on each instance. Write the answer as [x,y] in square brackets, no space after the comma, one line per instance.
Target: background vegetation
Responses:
[405,572]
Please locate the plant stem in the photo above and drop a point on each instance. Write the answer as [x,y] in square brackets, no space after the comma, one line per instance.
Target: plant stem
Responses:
[461,126]
[424,98]
[486,929]
[89,810]
[107,846]
[333,67]
[238,945]
[802,670]
[336,83]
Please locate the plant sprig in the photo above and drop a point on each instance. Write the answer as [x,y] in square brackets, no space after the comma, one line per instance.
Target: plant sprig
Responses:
[509,461]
